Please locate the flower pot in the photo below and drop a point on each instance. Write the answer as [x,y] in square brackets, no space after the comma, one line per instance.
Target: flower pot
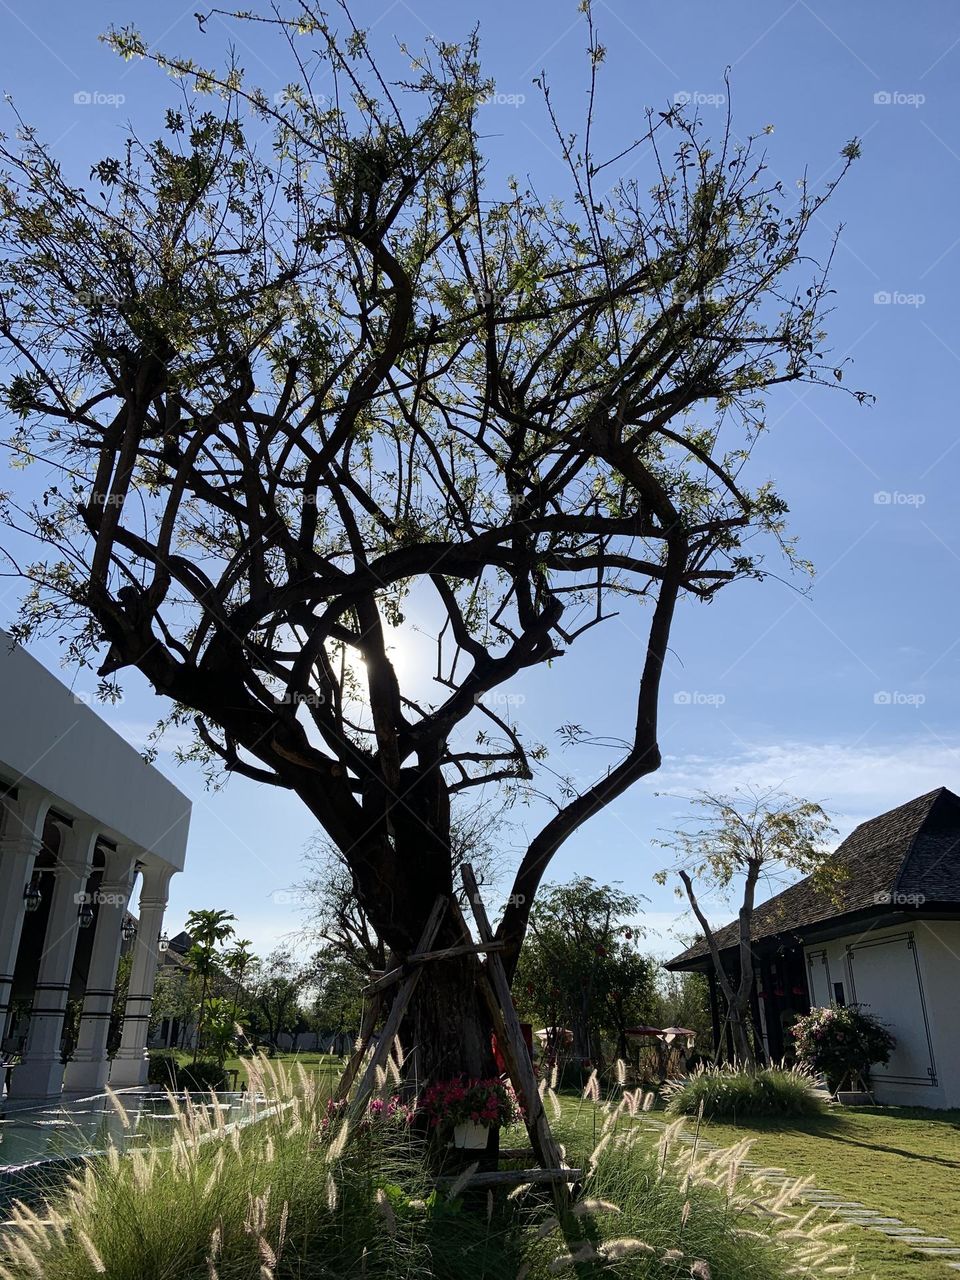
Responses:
[470,1136]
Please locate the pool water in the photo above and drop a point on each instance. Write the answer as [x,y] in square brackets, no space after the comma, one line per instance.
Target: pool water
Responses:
[41,1142]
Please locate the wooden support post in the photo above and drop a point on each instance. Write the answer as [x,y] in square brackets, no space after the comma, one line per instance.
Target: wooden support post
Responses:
[496,990]
[385,980]
[367,1027]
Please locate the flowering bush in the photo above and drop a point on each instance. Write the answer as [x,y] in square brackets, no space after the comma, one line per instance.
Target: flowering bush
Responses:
[451,1102]
[383,1109]
[841,1040]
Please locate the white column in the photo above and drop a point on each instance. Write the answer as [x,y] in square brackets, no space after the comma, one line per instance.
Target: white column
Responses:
[19,845]
[88,1069]
[130,1064]
[40,1074]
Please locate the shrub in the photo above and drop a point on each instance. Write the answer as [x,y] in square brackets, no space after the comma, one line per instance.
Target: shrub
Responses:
[201,1075]
[728,1091]
[841,1041]
[165,1069]
[162,1068]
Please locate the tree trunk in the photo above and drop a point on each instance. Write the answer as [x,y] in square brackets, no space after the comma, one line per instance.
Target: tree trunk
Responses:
[447,1030]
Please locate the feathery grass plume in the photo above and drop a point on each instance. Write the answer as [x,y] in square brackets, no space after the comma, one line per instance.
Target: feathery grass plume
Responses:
[595,1206]
[623,1247]
[554,1075]
[598,1151]
[700,1270]
[463,1179]
[394,1069]
[380,1076]
[266,1273]
[519,1191]
[685,1213]
[216,1243]
[333,1197]
[620,1067]
[336,1147]
[489,1206]
[591,1090]
[547,1227]
[648,1100]
[385,1209]
[90,1249]
[29,1223]
[555,1106]
[20,1252]
[267,1254]
[673,1255]
[118,1106]
[631,1098]
[397,1050]
[584,1252]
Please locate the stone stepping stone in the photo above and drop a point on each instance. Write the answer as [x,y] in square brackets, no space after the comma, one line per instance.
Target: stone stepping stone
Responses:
[939,1252]
[924,1240]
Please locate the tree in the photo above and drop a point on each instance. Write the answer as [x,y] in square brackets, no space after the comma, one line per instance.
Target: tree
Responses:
[275,990]
[237,961]
[291,390]
[746,838]
[580,967]
[338,1003]
[208,929]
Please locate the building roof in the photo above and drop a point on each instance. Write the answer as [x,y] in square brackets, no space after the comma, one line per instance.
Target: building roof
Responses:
[905,859]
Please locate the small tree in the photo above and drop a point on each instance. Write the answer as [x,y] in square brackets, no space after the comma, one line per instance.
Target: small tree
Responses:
[276,987]
[746,839]
[580,966]
[208,930]
[237,962]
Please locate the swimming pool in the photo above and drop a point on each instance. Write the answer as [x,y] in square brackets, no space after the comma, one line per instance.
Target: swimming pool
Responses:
[39,1144]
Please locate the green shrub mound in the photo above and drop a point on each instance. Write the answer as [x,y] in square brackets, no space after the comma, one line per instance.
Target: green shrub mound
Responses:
[201,1076]
[730,1092]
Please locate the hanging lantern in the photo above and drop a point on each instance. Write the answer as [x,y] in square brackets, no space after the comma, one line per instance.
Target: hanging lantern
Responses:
[128,930]
[32,897]
[85,915]
[163,943]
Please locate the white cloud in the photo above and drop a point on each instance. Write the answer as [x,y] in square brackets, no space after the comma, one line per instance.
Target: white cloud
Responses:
[852,781]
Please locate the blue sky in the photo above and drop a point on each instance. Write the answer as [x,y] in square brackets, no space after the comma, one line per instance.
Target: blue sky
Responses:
[849,694]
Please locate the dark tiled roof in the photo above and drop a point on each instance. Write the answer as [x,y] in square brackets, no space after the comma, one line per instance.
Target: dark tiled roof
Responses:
[911,850]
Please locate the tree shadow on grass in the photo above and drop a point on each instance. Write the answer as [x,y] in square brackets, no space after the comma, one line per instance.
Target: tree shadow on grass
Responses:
[838,1127]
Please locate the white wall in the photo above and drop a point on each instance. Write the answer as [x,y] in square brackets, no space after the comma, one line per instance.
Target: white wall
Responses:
[61,745]
[909,978]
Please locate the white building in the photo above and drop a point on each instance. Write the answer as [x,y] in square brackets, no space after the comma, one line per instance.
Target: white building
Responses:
[83,820]
[886,938]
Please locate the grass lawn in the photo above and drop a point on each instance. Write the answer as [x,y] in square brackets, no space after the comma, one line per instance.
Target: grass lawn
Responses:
[902,1161]
[324,1064]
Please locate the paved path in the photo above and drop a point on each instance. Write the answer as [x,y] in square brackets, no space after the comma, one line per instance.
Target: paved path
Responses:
[850,1211]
